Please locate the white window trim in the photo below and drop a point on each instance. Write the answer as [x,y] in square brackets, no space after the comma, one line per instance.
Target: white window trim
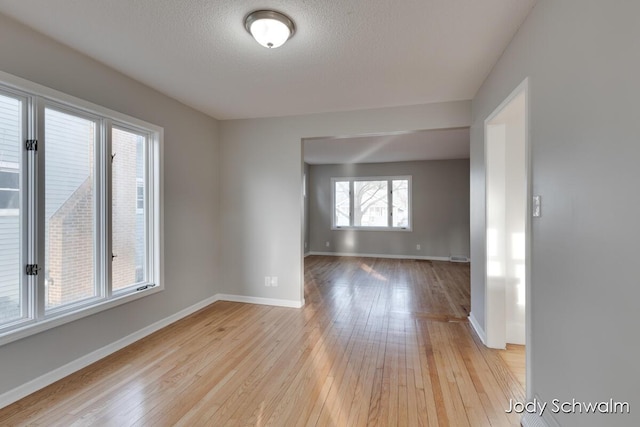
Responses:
[34,94]
[353,179]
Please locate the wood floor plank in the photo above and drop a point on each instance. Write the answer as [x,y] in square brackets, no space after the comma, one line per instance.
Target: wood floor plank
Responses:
[379,342]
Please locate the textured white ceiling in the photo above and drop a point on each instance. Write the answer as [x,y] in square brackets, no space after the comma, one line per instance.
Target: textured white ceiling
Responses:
[345,55]
[423,145]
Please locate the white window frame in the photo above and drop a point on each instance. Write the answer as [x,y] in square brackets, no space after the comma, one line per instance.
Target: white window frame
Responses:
[352,181]
[35,319]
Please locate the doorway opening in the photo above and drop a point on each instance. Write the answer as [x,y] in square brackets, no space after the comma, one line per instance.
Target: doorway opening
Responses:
[394,195]
[507,223]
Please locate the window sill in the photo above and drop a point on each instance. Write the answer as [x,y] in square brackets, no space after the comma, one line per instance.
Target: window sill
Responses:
[371,229]
[31,327]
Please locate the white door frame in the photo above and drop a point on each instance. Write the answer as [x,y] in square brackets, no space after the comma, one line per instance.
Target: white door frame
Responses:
[496,338]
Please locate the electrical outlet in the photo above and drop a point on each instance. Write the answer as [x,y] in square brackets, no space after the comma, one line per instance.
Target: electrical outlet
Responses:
[327,244]
[267,281]
[274,281]
[418,247]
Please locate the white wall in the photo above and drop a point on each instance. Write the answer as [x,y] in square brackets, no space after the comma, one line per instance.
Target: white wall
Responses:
[261,201]
[581,58]
[439,207]
[506,210]
[516,207]
[496,215]
[191,175]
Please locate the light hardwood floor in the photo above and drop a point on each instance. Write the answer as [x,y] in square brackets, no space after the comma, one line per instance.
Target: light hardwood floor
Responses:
[514,357]
[378,343]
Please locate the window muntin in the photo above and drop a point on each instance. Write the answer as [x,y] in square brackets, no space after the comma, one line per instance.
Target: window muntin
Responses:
[75,137]
[377,203]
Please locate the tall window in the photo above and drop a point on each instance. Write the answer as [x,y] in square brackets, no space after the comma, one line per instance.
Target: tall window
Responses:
[372,203]
[79,208]
[128,208]
[12,303]
[69,207]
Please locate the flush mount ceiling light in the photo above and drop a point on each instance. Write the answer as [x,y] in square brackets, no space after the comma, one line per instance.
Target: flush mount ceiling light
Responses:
[270,28]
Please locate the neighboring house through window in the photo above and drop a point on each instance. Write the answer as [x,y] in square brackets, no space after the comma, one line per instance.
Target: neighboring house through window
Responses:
[140,196]
[9,188]
[80,206]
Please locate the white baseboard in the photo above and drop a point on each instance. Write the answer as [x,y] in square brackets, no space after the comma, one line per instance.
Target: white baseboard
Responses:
[429,258]
[534,420]
[42,381]
[478,329]
[516,333]
[261,301]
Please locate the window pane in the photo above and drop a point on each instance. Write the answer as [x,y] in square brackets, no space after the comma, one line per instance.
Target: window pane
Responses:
[343,204]
[10,265]
[128,209]
[371,204]
[69,208]
[400,198]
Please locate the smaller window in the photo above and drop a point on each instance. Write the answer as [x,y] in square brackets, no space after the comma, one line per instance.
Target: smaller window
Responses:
[377,203]
[130,225]
[140,195]
[9,191]
[341,203]
[400,205]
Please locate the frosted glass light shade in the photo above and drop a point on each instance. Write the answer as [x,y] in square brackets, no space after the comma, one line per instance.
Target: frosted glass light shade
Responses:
[270,29]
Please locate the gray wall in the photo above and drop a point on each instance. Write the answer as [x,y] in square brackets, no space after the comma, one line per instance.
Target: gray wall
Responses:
[261,201]
[582,60]
[440,210]
[192,238]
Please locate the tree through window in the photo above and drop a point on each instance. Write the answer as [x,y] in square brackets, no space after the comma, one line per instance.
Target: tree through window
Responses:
[381,203]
